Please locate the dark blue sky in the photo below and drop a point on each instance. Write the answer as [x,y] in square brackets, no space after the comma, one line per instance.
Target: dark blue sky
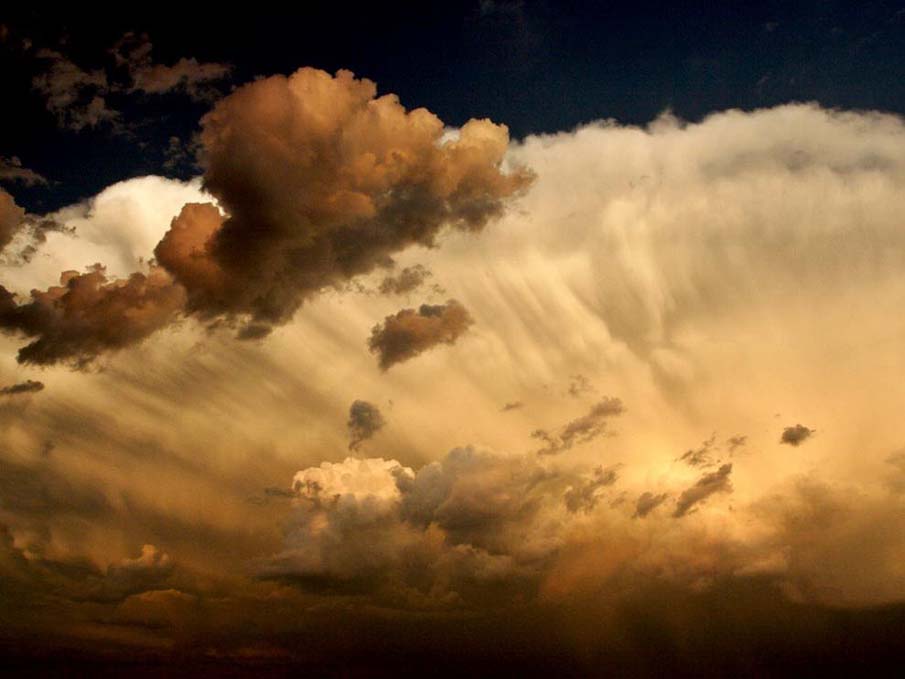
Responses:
[536,66]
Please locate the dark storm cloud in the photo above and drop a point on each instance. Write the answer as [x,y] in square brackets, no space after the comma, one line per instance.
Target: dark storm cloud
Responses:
[707,485]
[364,421]
[87,314]
[26,387]
[795,436]
[323,181]
[582,429]
[409,279]
[410,332]
[648,502]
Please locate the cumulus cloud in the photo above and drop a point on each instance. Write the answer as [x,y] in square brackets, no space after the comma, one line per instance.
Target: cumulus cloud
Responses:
[320,181]
[707,485]
[584,496]
[701,456]
[410,332]
[796,435]
[582,429]
[364,421]
[88,314]
[26,387]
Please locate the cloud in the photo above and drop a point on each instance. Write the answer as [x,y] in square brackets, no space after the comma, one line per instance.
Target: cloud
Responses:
[26,387]
[584,496]
[188,74]
[648,502]
[11,169]
[86,314]
[707,485]
[411,332]
[582,429]
[321,181]
[11,218]
[702,456]
[364,421]
[796,435]
[512,405]
[74,96]
[409,279]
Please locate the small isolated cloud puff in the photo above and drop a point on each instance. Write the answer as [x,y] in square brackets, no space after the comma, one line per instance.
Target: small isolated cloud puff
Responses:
[26,387]
[11,169]
[364,421]
[648,502]
[409,333]
[409,279]
[582,429]
[796,435]
[707,485]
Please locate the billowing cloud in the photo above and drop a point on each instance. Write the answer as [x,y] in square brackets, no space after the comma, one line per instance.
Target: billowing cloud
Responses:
[582,429]
[795,435]
[26,387]
[364,421]
[707,485]
[87,314]
[411,332]
[320,181]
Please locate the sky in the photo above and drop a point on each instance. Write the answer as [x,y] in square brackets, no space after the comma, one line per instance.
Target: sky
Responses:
[474,338]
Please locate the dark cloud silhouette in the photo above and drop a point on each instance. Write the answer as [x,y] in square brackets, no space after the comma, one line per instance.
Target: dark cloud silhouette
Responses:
[580,430]
[736,442]
[648,502]
[512,405]
[323,181]
[584,496]
[409,279]
[579,385]
[795,436]
[87,314]
[76,97]
[364,421]
[11,169]
[408,333]
[701,456]
[133,52]
[26,387]
[707,485]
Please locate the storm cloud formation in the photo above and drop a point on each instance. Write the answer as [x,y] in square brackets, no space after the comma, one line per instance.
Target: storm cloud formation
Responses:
[321,180]
[364,421]
[411,332]
[11,218]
